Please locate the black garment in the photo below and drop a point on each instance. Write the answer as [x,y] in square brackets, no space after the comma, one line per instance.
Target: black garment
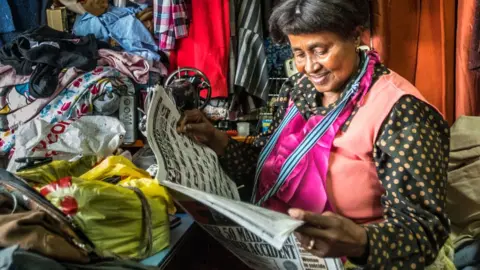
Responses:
[43,52]
[267,8]
[411,157]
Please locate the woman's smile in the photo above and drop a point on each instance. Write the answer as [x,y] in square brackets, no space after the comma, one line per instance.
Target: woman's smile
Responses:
[319,79]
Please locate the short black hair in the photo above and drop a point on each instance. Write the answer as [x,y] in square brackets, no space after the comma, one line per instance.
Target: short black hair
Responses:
[296,17]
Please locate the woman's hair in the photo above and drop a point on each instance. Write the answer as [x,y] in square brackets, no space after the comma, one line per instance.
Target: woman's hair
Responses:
[295,17]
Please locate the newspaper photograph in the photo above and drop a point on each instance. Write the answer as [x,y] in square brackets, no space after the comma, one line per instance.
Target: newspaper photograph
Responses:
[260,255]
[180,160]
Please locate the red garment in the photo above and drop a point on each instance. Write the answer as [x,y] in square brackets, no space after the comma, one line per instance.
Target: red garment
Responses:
[207,46]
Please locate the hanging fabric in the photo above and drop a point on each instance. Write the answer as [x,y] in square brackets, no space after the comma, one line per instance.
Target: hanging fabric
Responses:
[467,72]
[170,21]
[251,72]
[416,39]
[207,46]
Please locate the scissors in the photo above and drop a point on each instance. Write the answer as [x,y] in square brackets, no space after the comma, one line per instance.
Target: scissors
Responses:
[32,162]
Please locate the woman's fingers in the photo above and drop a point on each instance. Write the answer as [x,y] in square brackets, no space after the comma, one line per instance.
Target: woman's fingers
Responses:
[193,116]
[315,246]
[315,232]
[196,126]
[318,220]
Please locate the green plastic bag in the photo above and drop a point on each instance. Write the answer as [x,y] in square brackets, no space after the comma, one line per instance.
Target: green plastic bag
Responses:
[129,219]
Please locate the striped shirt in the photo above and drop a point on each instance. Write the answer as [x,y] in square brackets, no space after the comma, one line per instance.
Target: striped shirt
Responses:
[251,72]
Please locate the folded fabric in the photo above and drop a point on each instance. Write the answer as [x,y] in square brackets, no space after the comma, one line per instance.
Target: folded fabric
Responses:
[77,99]
[19,106]
[14,258]
[121,25]
[468,256]
[42,53]
[9,77]
[463,188]
[131,65]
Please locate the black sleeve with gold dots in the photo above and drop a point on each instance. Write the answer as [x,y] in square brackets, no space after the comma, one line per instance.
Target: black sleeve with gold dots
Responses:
[411,156]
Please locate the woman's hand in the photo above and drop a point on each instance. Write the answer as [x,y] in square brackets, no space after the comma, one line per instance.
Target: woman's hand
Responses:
[195,125]
[330,235]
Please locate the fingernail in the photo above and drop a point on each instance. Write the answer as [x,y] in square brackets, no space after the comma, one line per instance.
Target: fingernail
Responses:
[295,213]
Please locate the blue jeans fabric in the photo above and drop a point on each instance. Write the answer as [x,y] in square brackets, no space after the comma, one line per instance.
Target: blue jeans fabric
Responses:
[121,25]
[468,257]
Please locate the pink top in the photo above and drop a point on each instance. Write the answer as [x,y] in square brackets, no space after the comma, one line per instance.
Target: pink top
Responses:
[339,175]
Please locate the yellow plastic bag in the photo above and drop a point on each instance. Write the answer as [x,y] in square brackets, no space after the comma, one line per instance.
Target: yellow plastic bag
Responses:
[131,175]
[113,216]
[115,166]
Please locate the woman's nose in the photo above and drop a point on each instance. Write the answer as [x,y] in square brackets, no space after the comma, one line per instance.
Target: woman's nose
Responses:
[311,66]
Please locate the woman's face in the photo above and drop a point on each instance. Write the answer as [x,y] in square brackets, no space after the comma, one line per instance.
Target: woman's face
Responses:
[326,58]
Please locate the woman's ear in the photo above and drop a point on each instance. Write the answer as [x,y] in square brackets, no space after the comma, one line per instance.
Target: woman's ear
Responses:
[358,41]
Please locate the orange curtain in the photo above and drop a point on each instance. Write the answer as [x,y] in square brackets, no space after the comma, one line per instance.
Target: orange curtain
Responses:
[467,81]
[416,38]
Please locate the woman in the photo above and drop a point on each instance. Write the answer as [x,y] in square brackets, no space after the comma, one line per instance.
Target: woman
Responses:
[354,149]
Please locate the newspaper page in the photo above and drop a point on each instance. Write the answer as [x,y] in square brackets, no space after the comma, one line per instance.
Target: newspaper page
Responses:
[271,226]
[179,159]
[253,249]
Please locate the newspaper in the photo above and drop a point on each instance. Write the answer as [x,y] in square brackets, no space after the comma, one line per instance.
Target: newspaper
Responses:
[185,162]
[261,238]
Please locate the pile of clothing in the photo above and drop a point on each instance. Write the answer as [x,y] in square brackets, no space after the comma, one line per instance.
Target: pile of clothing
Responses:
[55,76]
